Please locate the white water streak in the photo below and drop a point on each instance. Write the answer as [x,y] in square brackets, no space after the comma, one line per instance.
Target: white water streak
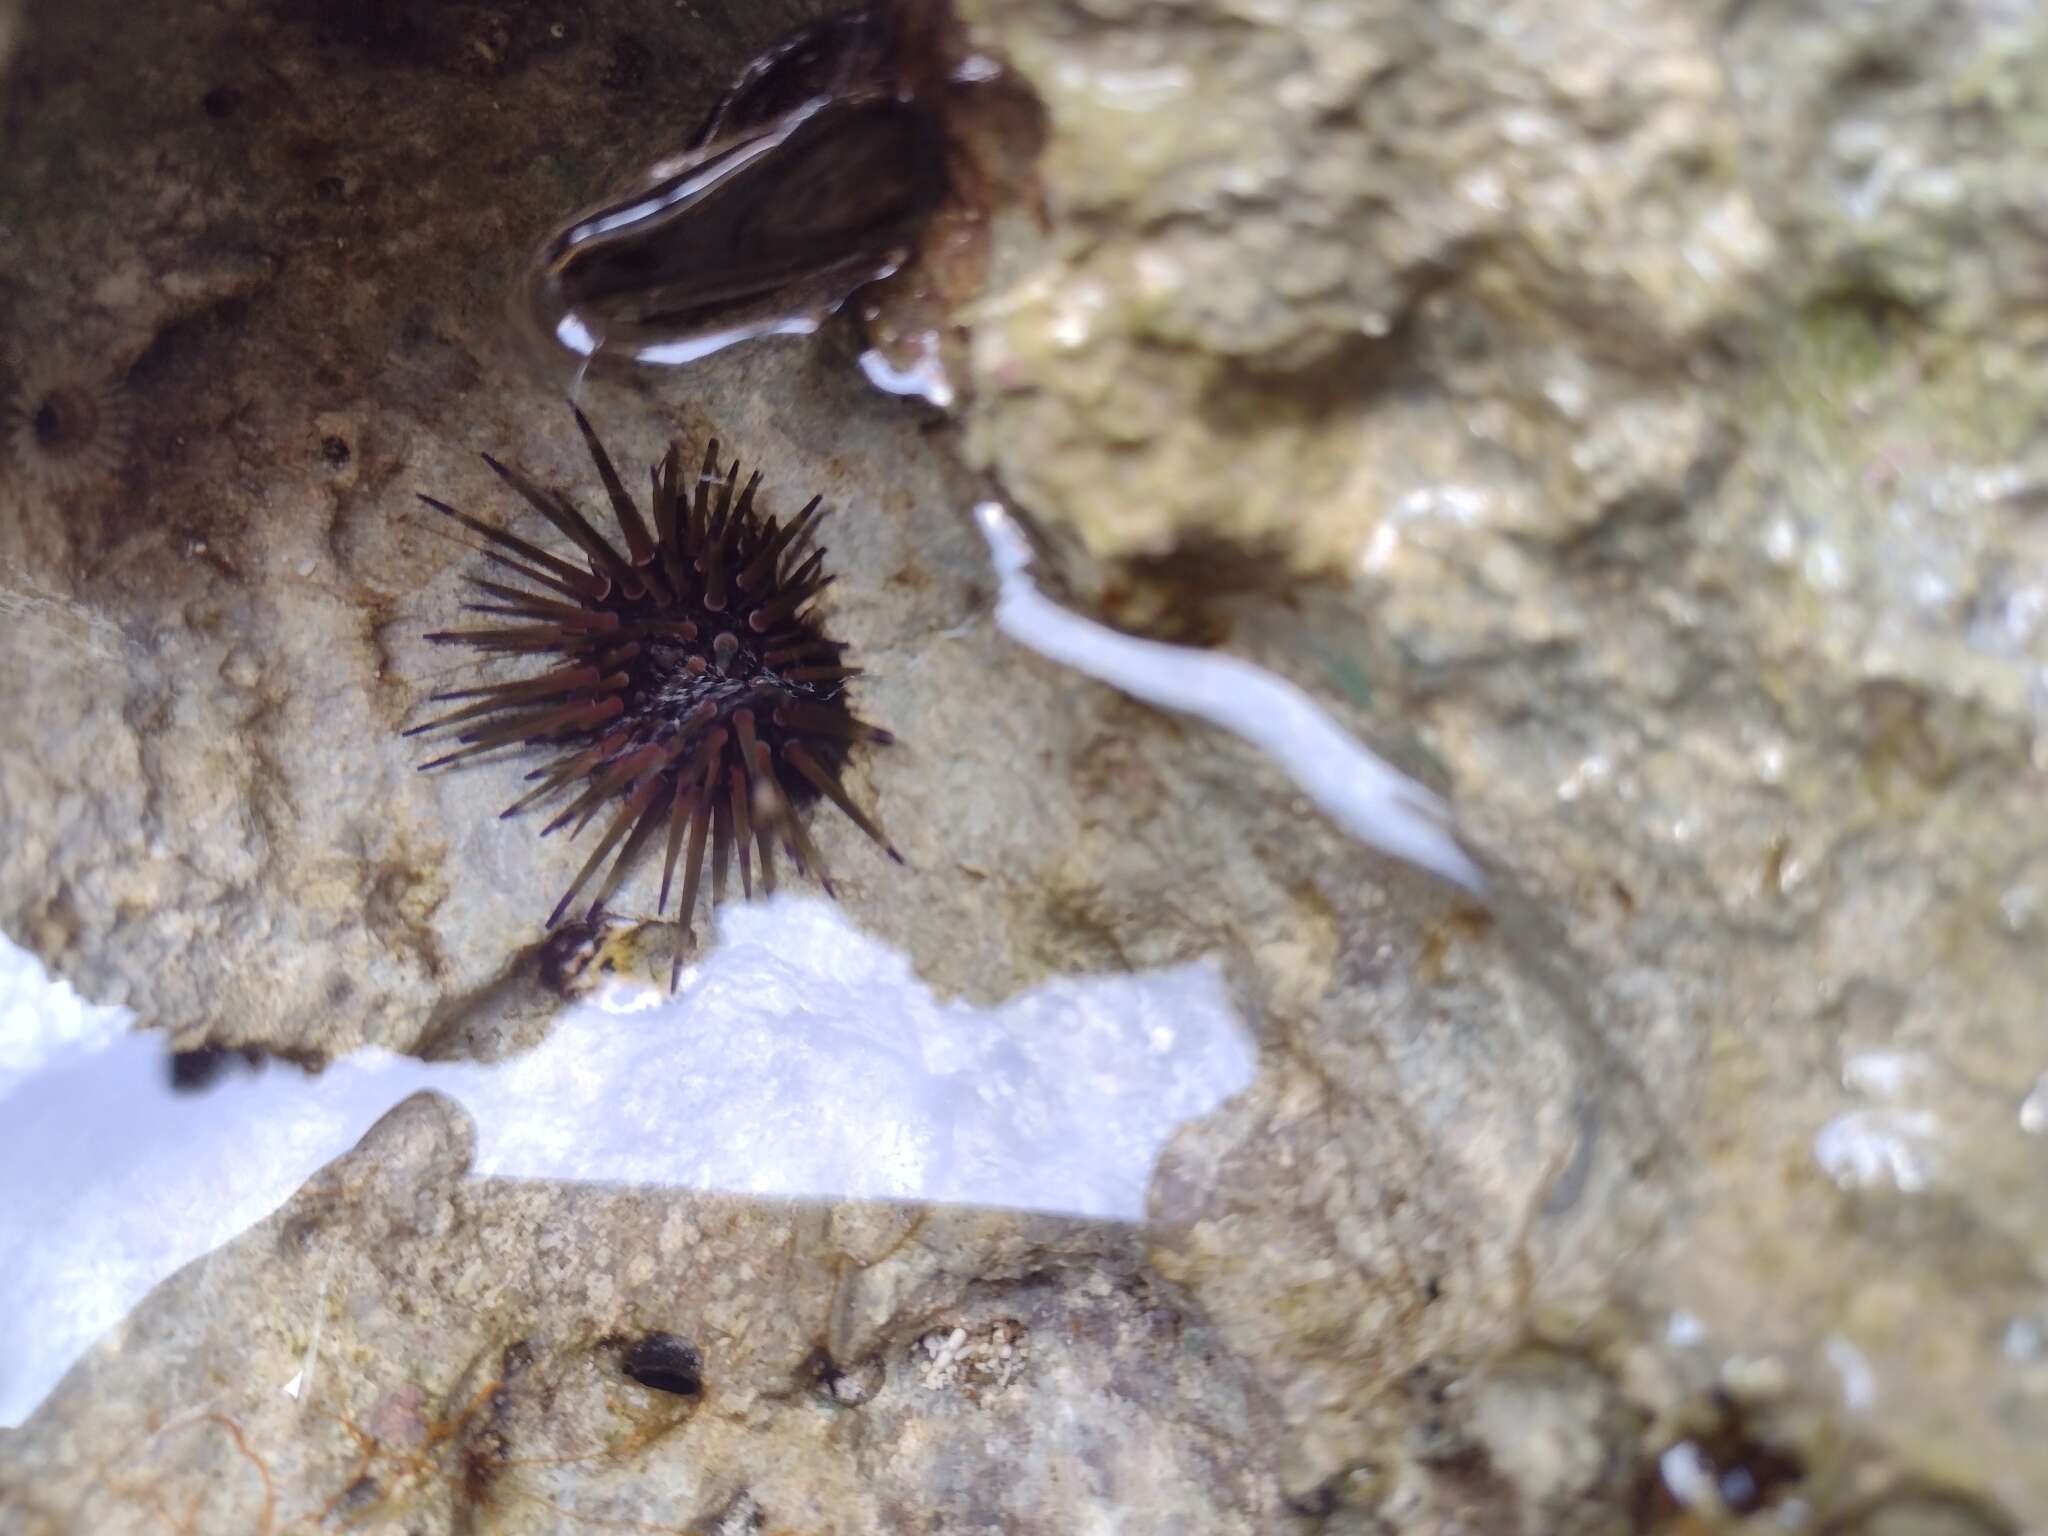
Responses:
[1373,801]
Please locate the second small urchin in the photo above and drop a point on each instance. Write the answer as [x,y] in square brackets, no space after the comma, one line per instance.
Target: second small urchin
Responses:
[691,690]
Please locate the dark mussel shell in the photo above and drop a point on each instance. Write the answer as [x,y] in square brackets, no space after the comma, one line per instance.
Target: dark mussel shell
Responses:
[813,175]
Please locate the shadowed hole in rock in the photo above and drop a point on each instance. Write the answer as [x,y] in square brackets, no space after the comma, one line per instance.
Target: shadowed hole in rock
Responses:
[662,1362]
[848,1386]
[1730,1462]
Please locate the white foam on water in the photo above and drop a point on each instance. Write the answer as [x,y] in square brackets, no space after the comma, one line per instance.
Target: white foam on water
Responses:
[1372,800]
[803,1059]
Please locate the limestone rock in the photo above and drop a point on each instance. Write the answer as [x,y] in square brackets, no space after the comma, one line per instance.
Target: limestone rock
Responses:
[1626,418]
[403,1348]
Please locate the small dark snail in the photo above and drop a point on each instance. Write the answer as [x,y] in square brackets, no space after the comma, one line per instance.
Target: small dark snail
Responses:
[814,175]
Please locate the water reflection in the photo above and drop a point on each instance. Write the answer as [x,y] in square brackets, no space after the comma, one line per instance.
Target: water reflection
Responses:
[803,1058]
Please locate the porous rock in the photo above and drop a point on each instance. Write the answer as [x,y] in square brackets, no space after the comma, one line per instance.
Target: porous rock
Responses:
[1648,402]
[1625,418]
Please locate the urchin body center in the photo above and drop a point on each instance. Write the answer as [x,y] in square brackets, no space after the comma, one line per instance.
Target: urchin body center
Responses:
[682,693]
[681,685]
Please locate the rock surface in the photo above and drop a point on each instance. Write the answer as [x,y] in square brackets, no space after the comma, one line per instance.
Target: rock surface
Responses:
[1658,394]
[1628,417]
[450,1354]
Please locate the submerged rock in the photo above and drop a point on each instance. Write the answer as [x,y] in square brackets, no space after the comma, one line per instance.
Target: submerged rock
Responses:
[1625,421]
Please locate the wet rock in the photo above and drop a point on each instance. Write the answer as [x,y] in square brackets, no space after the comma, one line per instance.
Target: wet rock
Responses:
[220,625]
[459,1338]
[1671,478]
[1654,395]
[1926,1513]
[1261,218]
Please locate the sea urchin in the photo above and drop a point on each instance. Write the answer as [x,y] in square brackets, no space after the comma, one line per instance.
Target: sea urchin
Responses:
[690,686]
